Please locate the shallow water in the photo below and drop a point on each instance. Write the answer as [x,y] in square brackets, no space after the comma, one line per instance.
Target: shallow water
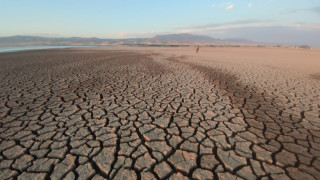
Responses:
[23,48]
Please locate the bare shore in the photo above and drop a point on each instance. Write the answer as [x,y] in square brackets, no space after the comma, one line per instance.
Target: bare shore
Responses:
[160,113]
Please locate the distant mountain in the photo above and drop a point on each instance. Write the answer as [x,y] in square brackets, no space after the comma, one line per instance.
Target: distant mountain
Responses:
[183,38]
[169,39]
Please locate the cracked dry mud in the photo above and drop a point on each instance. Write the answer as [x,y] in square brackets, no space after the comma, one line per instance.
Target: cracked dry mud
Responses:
[108,114]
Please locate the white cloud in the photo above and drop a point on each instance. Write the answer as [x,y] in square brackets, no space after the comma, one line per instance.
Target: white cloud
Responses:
[186,31]
[250,5]
[147,34]
[224,24]
[293,34]
[226,5]
[122,34]
[230,7]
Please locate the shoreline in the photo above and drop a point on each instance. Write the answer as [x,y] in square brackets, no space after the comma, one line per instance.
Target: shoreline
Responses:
[30,48]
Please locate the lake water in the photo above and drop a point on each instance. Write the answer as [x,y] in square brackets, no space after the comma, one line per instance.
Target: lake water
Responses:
[23,48]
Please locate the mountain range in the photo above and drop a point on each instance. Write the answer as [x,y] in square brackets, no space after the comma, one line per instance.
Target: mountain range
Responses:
[169,39]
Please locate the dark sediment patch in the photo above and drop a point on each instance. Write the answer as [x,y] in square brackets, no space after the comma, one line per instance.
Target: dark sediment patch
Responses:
[266,116]
[243,96]
[315,76]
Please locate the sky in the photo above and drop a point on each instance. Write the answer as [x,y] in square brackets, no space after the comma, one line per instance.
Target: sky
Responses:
[271,21]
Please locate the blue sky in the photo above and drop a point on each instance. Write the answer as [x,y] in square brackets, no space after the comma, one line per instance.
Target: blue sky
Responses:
[283,21]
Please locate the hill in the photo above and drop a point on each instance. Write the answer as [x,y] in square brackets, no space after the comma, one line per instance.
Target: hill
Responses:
[169,39]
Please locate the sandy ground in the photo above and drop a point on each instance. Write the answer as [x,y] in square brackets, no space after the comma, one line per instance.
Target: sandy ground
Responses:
[160,113]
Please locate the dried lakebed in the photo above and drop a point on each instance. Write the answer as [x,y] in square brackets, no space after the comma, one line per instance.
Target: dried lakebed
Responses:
[93,114]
